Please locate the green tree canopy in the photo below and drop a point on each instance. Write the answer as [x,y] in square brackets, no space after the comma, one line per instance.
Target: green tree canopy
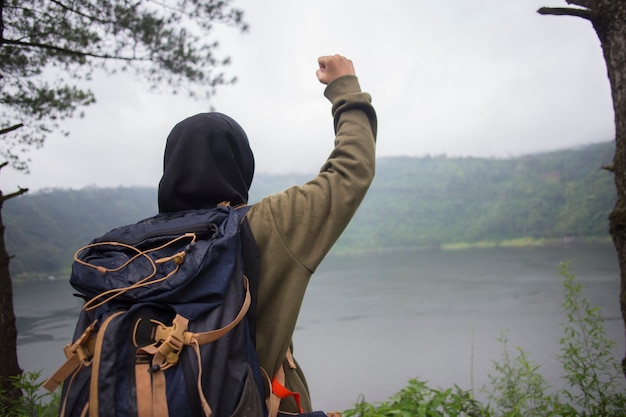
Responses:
[50,48]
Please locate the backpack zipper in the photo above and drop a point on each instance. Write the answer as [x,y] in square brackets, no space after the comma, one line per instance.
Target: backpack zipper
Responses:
[201,228]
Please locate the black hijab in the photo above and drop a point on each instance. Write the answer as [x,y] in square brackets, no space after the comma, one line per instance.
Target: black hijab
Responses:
[207,160]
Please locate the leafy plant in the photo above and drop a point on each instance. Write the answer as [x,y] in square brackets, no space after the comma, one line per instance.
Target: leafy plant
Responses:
[517,387]
[417,399]
[33,402]
[587,358]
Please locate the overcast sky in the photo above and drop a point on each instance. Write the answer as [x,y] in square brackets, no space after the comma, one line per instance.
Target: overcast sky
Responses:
[487,78]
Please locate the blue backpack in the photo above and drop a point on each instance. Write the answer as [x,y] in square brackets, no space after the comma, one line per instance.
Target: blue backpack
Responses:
[167,328]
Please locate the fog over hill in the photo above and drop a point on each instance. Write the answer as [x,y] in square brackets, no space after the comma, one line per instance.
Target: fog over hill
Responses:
[413,202]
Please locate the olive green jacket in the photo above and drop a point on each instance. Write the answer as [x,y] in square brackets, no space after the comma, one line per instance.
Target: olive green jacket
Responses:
[296,228]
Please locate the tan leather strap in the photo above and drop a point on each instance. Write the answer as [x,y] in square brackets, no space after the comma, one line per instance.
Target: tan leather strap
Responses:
[150,383]
[267,391]
[64,404]
[78,353]
[203,401]
[159,395]
[211,336]
[171,339]
[143,383]
[93,389]
[62,373]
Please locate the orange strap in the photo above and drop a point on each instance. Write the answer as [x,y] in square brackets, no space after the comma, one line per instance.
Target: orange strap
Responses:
[281,392]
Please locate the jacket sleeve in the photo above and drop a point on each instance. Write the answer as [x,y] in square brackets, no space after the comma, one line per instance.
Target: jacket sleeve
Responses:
[310,218]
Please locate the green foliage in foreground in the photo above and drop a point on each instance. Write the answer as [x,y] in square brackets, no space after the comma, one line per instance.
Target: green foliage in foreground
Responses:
[33,403]
[518,389]
[418,399]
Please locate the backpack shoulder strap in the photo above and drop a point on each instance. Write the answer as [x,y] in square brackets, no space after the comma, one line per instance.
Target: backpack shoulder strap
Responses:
[251,265]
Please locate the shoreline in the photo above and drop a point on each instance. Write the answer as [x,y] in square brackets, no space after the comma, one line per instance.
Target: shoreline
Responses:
[524,242]
[456,246]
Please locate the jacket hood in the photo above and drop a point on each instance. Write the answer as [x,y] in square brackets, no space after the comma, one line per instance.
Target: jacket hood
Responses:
[207,160]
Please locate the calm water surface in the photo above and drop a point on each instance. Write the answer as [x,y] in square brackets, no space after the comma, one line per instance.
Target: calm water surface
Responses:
[370,322]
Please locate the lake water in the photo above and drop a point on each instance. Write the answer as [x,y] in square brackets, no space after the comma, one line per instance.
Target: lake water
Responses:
[372,321]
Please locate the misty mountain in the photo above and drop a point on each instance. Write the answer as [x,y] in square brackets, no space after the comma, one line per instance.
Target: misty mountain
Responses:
[413,202]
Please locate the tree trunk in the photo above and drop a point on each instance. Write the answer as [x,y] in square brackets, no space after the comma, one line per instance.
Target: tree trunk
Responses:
[612,32]
[9,365]
[609,21]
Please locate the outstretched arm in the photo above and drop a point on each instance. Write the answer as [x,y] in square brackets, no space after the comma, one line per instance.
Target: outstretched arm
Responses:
[310,218]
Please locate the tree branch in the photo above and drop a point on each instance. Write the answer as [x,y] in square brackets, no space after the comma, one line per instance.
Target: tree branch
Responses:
[10,129]
[70,51]
[17,193]
[79,13]
[566,11]
[582,3]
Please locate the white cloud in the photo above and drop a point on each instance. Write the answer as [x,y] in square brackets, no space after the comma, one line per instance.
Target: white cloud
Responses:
[481,78]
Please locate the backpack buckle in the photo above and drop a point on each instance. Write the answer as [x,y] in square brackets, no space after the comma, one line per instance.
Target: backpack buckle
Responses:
[84,346]
[172,339]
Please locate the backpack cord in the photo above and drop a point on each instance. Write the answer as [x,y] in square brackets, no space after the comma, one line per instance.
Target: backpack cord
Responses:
[144,282]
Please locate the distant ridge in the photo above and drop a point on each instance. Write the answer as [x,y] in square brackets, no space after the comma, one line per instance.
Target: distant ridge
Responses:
[413,202]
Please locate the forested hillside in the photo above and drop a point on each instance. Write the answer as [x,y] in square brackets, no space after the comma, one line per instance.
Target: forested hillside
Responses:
[432,201]
[414,202]
[44,229]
